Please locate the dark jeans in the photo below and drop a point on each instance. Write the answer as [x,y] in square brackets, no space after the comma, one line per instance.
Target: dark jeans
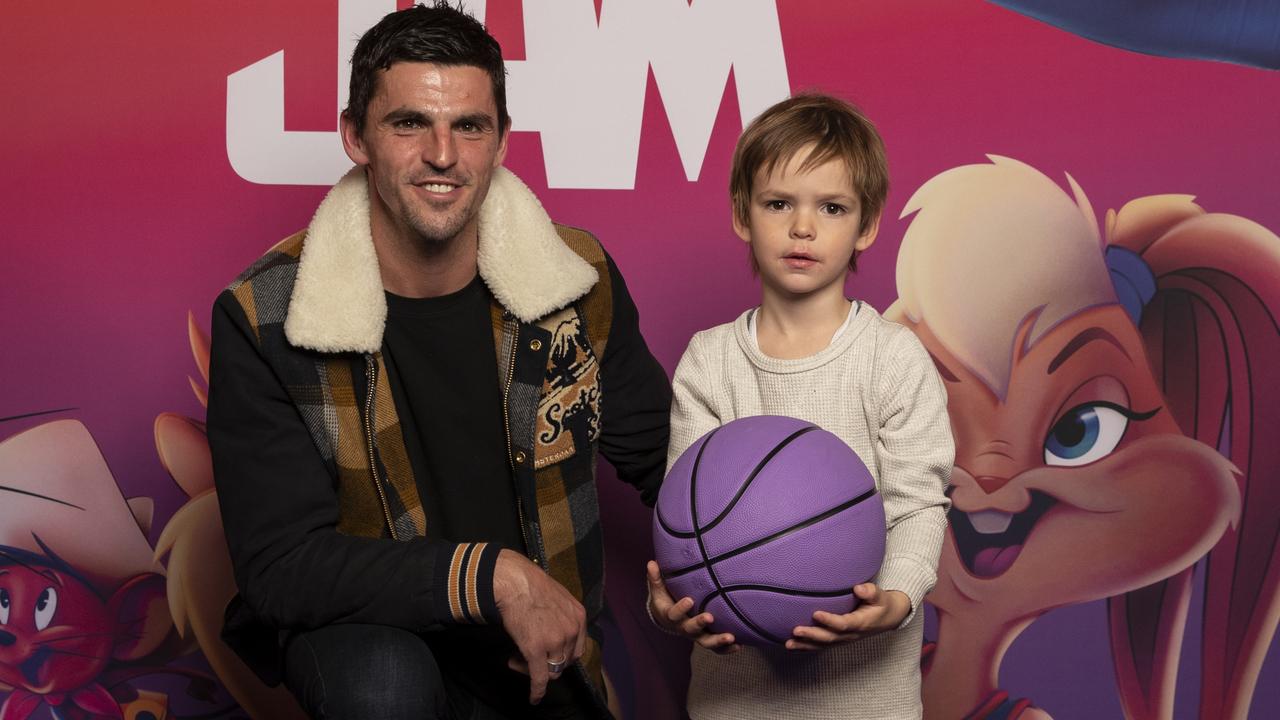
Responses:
[345,672]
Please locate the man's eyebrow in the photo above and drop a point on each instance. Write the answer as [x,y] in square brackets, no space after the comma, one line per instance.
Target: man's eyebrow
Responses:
[406,114]
[478,119]
[1079,341]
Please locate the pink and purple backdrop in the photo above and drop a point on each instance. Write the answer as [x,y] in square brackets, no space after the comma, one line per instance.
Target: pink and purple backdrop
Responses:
[123,213]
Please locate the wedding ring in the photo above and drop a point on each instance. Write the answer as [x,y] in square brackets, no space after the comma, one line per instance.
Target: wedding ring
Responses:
[556,666]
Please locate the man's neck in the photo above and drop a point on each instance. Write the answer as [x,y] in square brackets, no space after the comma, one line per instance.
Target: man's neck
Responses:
[413,268]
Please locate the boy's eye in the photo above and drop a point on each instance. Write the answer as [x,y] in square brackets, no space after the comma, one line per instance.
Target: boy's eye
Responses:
[833,209]
[775,205]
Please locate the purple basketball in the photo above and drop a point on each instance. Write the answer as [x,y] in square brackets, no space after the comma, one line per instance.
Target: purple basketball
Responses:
[765,520]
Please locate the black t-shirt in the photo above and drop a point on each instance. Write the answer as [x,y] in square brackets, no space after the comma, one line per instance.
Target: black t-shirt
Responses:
[444,376]
[443,371]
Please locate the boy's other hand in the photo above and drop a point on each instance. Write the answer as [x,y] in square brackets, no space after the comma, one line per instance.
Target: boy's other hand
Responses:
[673,616]
[880,610]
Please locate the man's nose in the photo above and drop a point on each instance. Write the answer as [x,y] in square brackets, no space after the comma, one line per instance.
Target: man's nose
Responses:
[440,150]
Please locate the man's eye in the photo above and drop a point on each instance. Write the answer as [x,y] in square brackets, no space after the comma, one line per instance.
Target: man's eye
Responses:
[407,125]
[469,127]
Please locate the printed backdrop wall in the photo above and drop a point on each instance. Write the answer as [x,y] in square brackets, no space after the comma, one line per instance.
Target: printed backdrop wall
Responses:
[1081,229]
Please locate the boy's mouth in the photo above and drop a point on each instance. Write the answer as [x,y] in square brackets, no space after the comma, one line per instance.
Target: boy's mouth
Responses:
[799,259]
[989,541]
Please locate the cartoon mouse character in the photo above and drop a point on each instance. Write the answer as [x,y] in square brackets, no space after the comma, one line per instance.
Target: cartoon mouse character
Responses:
[82,600]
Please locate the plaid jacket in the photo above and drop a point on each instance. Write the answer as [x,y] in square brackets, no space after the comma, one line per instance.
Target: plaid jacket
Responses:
[313,309]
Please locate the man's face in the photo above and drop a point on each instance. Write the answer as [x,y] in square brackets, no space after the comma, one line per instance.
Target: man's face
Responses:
[431,141]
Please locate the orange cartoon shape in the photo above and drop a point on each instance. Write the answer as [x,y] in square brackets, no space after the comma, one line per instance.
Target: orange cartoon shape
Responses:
[1108,399]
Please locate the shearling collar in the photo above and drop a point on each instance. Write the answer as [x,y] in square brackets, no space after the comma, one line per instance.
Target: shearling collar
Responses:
[338,303]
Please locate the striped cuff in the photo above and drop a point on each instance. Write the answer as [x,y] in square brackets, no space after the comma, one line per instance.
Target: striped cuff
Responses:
[464,584]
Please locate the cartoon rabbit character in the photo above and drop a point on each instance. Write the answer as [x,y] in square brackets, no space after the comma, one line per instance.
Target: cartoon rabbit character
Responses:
[1112,402]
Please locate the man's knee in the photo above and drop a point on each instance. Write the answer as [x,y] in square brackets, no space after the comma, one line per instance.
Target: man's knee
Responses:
[364,671]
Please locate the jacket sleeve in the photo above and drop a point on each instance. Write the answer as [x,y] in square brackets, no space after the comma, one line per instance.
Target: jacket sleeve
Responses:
[294,570]
[636,398]
[915,451]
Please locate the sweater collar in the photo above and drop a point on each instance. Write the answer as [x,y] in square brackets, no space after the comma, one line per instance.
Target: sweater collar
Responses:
[338,303]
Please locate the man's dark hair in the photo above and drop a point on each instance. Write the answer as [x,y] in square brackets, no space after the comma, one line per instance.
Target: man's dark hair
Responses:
[436,33]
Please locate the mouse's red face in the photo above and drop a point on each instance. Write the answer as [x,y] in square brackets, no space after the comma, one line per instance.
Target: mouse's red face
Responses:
[56,633]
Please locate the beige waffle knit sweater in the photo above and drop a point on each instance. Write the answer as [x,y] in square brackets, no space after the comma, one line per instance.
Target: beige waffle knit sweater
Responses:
[876,388]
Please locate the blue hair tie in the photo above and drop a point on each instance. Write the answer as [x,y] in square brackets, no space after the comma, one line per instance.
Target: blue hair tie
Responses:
[1133,280]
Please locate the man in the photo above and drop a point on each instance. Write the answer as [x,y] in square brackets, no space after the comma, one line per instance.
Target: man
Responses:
[405,405]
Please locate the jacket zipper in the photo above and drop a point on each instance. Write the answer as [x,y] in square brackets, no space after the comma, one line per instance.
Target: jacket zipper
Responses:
[506,424]
[372,371]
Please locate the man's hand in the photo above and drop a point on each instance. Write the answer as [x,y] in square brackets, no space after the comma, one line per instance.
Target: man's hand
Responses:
[545,621]
[674,616]
[880,610]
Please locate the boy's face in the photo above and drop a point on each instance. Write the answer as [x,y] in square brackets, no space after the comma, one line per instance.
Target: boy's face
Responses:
[804,226]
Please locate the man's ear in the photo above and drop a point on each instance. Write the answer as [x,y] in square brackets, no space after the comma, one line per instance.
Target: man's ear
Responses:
[140,610]
[868,236]
[502,145]
[352,141]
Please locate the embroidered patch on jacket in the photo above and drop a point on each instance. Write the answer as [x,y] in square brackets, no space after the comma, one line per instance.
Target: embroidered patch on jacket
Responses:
[569,408]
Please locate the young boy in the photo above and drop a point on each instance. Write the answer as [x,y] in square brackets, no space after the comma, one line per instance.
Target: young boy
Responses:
[808,184]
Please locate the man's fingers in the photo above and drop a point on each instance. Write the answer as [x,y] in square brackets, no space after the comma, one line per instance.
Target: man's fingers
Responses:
[539,676]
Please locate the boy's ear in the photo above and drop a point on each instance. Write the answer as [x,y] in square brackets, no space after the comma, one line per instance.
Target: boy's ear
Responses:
[868,237]
[742,231]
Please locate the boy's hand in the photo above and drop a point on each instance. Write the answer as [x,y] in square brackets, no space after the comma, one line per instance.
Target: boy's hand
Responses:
[674,617]
[880,610]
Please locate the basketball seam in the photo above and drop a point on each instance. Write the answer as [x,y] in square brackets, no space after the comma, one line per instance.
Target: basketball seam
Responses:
[779,534]
[742,489]
[793,592]
[702,547]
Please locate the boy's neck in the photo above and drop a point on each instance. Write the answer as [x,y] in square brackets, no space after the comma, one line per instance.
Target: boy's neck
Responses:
[790,328]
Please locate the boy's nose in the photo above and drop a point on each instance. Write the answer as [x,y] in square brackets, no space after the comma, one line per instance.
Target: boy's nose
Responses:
[802,227]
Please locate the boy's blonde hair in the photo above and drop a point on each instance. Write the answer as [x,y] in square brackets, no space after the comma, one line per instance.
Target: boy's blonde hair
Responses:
[836,130]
